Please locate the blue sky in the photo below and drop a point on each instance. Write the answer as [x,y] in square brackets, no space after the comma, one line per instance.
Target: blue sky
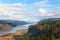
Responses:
[19,1]
[55,2]
[29,10]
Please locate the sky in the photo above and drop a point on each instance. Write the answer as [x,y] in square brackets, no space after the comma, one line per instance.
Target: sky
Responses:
[29,10]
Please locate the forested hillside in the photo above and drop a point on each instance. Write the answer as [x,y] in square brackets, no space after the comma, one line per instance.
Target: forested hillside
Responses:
[47,29]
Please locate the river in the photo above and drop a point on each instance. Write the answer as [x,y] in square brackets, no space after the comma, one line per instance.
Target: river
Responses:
[26,26]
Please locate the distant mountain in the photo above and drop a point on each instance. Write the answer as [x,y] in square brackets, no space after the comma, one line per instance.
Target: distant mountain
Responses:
[13,22]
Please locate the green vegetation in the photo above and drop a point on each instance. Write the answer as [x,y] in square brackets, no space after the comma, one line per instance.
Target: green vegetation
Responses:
[48,29]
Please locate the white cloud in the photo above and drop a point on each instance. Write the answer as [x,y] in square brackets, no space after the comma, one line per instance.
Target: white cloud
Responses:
[56,11]
[25,12]
[44,12]
[42,2]
[13,11]
[18,4]
[16,12]
[19,11]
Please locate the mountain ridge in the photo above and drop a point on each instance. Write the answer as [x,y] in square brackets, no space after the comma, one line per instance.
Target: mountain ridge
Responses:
[13,22]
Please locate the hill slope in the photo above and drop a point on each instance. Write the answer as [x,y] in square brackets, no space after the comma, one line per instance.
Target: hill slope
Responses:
[10,35]
[47,29]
